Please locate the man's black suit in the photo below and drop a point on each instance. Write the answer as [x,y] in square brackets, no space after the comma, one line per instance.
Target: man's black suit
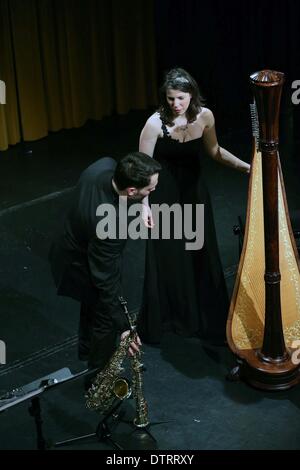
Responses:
[88,269]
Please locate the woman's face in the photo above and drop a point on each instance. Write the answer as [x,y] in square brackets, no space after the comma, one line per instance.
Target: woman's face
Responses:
[178,101]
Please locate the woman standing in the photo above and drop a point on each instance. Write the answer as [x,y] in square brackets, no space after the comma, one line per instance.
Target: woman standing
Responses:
[185,291]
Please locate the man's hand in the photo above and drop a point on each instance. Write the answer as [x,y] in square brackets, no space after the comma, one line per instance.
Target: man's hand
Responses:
[147,216]
[134,345]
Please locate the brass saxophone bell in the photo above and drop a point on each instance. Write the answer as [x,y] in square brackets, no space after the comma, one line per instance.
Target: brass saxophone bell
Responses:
[121,388]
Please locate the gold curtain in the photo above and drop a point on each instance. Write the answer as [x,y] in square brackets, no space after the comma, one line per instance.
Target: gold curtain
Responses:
[66,61]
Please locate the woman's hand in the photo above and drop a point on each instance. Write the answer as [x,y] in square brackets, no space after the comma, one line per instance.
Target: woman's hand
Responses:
[147,216]
[134,345]
[246,168]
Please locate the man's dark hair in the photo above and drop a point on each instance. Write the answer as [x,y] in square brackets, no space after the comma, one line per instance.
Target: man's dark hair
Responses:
[135,169]
[179,79]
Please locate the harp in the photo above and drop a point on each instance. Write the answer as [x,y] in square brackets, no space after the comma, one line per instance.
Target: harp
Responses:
[263,327]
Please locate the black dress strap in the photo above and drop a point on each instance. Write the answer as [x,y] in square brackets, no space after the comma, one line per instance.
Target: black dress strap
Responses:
[165,130]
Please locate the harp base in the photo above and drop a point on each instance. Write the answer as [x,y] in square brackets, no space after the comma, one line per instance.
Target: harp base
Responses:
[265,376]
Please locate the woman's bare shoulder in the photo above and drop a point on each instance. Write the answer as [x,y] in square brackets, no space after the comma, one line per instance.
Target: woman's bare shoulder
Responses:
[206,117]
[154,120]
[153,125]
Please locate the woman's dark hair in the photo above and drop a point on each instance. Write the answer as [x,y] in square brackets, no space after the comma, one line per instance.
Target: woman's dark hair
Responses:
[179,79]
[135,169]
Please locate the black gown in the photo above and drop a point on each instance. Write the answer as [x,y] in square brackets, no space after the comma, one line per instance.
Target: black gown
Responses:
[184,290]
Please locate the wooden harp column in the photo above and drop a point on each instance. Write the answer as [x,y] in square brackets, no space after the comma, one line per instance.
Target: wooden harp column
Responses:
[264,318]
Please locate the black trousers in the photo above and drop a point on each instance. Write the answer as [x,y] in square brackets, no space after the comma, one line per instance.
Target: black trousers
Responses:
[97,337]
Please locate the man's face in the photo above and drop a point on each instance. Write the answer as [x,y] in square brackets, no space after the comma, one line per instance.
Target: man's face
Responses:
[139,194]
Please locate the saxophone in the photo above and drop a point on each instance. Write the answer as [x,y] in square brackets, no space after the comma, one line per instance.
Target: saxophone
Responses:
[141,419]
[109,385]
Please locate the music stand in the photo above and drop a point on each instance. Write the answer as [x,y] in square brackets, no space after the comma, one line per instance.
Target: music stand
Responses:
[32,391]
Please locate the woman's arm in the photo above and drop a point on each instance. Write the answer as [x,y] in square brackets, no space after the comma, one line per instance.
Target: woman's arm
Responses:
[150,134]
[148,140]
[215,151]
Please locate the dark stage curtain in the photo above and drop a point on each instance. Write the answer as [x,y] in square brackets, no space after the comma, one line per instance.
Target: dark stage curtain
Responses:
[222,42]
[66,61]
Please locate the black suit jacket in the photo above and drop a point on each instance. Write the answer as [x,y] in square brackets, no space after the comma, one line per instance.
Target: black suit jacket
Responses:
[85,267]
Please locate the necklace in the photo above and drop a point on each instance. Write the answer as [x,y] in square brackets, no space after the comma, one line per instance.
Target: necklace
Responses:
[183,131]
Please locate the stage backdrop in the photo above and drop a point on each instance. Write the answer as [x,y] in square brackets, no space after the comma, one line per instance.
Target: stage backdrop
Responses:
[67,61]
[222,42]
